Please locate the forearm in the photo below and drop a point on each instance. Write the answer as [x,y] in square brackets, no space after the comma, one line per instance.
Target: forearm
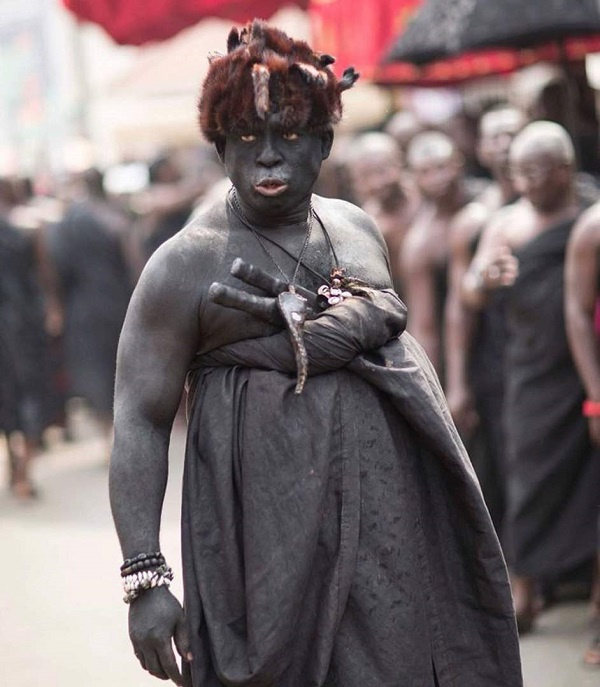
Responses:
[584,346]
[137,482]
[458,334]
[426,333]
[332,340]
[473,293]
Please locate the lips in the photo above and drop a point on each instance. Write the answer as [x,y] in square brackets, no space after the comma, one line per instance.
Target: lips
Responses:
[271,187]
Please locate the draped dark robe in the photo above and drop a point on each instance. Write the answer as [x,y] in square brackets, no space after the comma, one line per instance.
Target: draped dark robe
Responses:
[87,248]
[552,470]
[338,537]
[24,392]
[486,371]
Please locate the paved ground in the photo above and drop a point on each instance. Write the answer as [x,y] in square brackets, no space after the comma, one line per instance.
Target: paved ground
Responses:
[62,622]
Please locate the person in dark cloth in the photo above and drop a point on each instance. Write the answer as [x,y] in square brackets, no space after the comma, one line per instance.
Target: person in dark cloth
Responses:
[475,341]
[582,286]
[23,361]
[384,191]
[553,475]
[333,531]
[167,204]
[437,166]
[88,249]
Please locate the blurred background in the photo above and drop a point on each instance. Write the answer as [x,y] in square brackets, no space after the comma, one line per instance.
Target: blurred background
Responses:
[107,82]
[101,161]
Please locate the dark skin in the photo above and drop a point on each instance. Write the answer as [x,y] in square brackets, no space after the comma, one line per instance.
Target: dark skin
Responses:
[497,131]
[172,317]
[385,192]
[581,275]
[545,182]
[582,272]
[438,175]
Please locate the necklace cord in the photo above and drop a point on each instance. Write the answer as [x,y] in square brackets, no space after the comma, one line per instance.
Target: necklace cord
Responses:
[234,204]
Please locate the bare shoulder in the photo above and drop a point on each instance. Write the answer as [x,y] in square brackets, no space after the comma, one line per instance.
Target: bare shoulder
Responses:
[586,232]
[348,217]
[503,223]
[468,222]
[180,270]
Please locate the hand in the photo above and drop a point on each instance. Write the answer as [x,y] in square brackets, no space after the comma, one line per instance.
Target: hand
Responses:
[55,320]
[264,307]
[503,270]
[155,620]
[594,430]
[462,409]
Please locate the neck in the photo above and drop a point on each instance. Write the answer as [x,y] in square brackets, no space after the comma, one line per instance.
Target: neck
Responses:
[450,203]
[567,205]
[394,202]
[298,215]
[505,186]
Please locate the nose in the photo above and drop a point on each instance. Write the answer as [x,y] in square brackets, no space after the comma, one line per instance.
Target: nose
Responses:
[269,155]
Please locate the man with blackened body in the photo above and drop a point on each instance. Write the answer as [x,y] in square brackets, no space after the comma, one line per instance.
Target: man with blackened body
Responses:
[333,532]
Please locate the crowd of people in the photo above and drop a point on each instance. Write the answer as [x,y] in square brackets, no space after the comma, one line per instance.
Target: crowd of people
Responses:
[495,252]
[514,341]
[69,261]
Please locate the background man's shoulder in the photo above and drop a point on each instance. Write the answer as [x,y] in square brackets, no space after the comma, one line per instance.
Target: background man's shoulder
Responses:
[346,216]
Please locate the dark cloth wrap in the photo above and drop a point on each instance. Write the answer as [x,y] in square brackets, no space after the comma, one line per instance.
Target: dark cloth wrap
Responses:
[553,471]
[338,537]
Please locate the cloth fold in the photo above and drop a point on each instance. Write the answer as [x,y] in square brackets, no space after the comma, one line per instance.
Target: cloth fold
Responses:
[332,340]
[553,471]
[314,522]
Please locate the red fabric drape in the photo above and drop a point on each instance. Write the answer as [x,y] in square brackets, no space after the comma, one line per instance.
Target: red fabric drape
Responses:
[135,22]
[485,63]
[360,34]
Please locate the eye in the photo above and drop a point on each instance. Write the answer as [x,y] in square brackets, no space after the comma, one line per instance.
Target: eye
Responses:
[248,138]
[290,136]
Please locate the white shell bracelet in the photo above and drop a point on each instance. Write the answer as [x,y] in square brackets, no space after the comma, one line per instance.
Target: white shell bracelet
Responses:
[136,583]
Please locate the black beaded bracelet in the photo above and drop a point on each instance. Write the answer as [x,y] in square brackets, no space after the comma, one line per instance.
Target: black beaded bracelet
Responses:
[143,561]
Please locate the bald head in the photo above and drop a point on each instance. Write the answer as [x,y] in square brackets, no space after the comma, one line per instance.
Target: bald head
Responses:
[543,139]
[375,169]
[403,126]
[497,130]
[436,165]
[542,162]
[374,145]
[428,147]
[501,118]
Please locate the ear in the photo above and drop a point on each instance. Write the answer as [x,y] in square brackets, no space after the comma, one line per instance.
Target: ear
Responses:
[220,146]
[459,160]
[326,143]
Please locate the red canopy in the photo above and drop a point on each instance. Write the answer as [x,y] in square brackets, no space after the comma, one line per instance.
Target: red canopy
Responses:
[134,22]
[361,34]
[358,33]
[484,63]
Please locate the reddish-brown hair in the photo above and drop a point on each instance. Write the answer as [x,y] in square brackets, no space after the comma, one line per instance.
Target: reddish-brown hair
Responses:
[267,72]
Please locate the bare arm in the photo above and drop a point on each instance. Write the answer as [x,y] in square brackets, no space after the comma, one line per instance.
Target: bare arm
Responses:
[459,319]
[156,346]
[419,286]
[581,292]
[493,265]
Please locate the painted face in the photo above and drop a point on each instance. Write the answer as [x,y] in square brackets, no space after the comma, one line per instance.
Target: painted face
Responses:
[274,170]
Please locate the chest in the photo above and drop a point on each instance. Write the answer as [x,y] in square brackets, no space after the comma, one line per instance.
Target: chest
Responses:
[277,255]
[430,237]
